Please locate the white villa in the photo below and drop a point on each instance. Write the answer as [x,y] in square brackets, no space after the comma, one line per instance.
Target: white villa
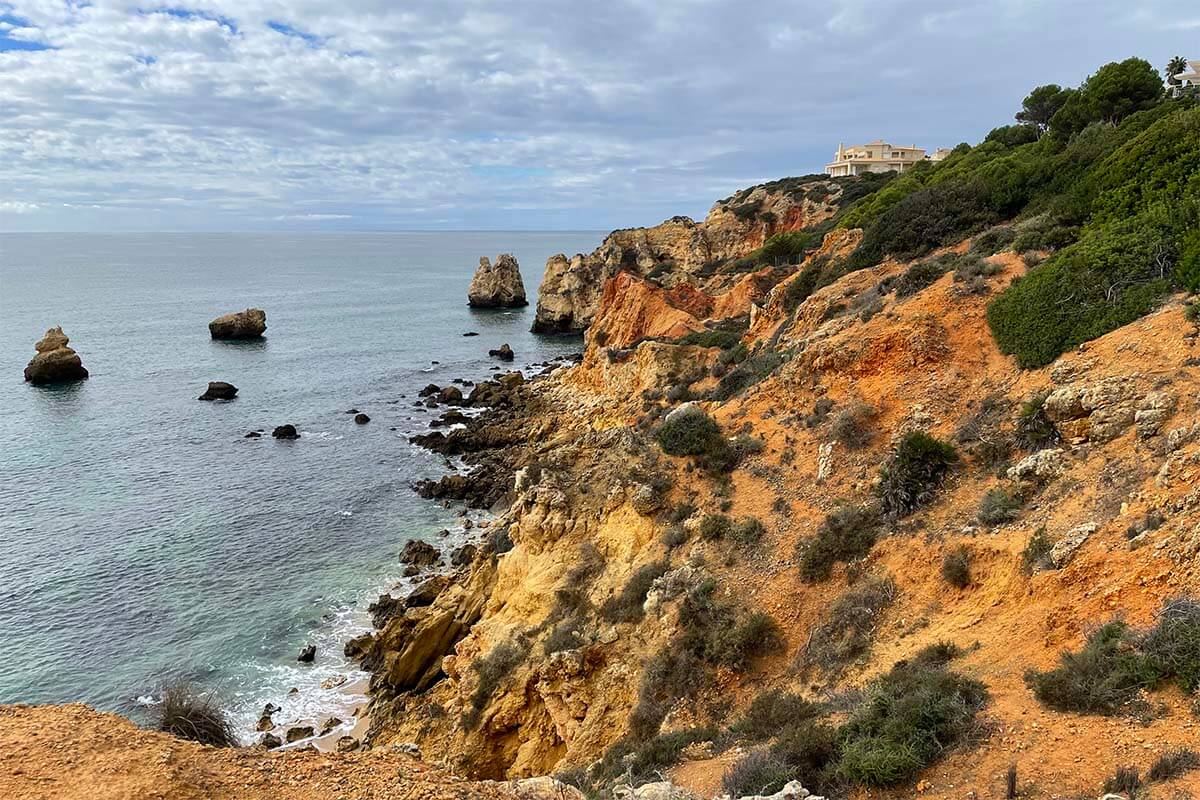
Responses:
[1192,77]
[878,156]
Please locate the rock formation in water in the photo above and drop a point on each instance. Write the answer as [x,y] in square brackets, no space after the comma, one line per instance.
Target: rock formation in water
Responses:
[497,285]
[219,390]
[248,324]
[54,362]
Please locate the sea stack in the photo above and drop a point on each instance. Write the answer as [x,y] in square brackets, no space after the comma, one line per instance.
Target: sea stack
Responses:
[497,285]
[248,324]
[219,390]
[54,362]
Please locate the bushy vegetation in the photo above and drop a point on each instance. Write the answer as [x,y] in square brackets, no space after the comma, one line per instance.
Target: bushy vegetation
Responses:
[997,507]
[1034,430]
[1172,764]
[956,567]
[1103,176]
[846,629]
[759,772]
[491,670]
[689,433]
[910,717]
[713,337]
[747,373]
[771,712]
[1117,662]
[715,526]
[188,713]
[1036,554]
[626,605]
[852,425]
[912,475]
[847,533]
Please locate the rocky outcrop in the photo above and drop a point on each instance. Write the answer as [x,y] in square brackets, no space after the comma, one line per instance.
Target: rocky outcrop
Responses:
[248,324]
[54,362]
[219,390]
[678,249]
[633,309]
[286,432]
[497,285]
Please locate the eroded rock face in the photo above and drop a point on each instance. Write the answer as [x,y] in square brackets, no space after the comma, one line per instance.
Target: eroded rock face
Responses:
[677,249]
[248,324]
[497,285]
[54,362]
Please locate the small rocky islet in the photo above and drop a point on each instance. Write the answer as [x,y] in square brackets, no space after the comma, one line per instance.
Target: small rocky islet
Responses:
[55,362]
[497,285]
[239,325]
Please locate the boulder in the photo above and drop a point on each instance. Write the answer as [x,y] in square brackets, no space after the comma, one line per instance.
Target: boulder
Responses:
[503,352]
[308,654]
[427,592]
[463,556]
[298,732]
[265,723]
[451,396]
[219,390]
[286,432]
[1066,547]
[270,741]
[54,362]
[421,554]
[497,285]
[429,390]
[347,744]
[248,324]
[361,419]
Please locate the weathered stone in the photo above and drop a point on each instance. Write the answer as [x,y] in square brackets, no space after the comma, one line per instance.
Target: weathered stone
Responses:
[1066,547]
[54,362]
[427,592]
[645,500]
[463,556]
[503,352]
[298,732]
[1040,467]
[497,285]
[361,419]
[219,390]
[286,432]
[1153,412]
[308,654]
[270,741]
[265,723]
[451,396]
[347,744]
[422,554]
[248,324]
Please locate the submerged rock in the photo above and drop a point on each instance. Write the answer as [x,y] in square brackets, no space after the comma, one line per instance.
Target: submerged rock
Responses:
[308,654]
[497,285]
[286,432]
[54,362]
[219,390]
[361,419]
[504,352]
[248,324]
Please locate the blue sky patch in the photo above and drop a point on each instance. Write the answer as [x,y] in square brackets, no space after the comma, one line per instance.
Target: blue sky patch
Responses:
[311,39]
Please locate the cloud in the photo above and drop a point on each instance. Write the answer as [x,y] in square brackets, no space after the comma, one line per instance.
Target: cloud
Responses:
[17,207]
[231,114]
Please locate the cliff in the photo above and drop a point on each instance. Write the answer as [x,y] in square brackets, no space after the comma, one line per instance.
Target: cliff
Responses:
[679,249]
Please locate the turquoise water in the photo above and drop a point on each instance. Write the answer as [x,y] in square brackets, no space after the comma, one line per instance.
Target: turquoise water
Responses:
[142,535]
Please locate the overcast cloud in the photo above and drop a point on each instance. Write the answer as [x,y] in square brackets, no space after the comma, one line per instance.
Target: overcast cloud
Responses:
[529,114]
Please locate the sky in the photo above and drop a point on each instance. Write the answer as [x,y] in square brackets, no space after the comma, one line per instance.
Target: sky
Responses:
[511,114]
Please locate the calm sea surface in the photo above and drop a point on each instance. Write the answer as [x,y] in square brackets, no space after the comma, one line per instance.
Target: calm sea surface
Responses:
[141,535]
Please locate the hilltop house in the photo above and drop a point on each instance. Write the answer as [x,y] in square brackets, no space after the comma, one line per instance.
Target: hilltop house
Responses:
[1191,78]
[878,156]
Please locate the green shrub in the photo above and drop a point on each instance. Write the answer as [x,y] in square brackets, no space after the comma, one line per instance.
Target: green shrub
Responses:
[919,276]
[626,605]
[1036,554]
[848,533]
[785,248]
[804,284]
[846,629]
[1125,782]
[689,432]
[492,669]
[747,374]
[992,241]
[1110,277]
[751,636]
[911,477]
[1099,679]
[713,337]
[187,713]
[910,717]
[1034,429]
[644,759]
[852,426]
[811,750]
[1173,764]
[747,531]
[1173,644]
[759,772]
[771,712]
[956,567]
[997,507]
[715,526]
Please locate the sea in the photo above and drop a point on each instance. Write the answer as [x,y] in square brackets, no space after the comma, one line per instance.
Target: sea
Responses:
[144,539]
